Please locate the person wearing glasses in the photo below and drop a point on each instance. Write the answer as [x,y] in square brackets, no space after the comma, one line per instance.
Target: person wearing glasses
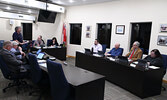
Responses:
[135,52]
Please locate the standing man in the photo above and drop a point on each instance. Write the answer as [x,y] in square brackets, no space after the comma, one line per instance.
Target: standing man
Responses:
[96,46]
[135,52]
[17,35]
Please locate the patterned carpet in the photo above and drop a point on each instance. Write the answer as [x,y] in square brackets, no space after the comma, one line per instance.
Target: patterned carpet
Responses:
[112,92]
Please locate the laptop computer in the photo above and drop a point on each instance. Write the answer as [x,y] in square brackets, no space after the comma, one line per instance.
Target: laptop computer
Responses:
[123,60]
[87,51]
[40,55]
[142,63]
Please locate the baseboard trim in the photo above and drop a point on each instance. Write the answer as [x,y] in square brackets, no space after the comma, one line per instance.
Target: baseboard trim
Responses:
[68,56]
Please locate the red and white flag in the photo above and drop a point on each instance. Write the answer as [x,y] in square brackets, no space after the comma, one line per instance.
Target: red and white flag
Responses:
[64,35]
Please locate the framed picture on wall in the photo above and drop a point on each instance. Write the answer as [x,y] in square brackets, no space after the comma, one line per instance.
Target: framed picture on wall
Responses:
[120,29]
[162,40]
[88,31]
[163,28]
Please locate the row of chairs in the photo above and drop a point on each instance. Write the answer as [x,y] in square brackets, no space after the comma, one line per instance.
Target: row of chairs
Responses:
[54,79]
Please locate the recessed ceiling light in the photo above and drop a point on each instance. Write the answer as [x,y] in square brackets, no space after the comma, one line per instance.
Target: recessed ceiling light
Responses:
[71,1]
[8,8]
[29,11]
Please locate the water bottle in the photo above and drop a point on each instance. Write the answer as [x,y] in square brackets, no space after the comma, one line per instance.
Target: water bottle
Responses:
[116,59]
[146,66]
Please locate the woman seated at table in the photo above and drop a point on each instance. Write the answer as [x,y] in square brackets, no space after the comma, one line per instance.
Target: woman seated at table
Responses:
[54,42]
[155,58]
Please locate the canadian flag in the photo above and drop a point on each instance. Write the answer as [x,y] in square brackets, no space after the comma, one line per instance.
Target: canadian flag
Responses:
[64,35]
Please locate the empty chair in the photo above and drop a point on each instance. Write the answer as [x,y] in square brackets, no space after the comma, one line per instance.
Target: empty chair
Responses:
[49,42]
[60,88]
[38,76]
[104,46]
[16,78]
[165,67]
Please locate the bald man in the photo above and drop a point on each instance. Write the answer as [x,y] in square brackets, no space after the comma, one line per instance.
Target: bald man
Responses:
[117,51]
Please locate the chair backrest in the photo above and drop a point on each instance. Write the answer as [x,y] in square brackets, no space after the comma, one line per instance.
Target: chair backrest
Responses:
[1,43]
[35,70]
[164,61]
[104,46]
[59,86]
[49,41]
[4,68]
[142,49]
[122,51]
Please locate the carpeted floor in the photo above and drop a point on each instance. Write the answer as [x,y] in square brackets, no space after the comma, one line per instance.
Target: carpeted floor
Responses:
[112,92]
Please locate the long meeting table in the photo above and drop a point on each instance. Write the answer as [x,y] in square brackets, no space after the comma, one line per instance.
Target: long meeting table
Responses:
[142,83]
[87,85]
[58,52]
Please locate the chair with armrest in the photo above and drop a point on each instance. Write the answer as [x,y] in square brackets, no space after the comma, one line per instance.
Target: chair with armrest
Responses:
[38,76]
[17,79]
[165,67]
[60,88]
[104,46]
[49,41]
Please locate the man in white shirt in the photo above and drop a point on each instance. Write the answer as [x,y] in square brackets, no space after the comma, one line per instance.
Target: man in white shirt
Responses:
[96,46]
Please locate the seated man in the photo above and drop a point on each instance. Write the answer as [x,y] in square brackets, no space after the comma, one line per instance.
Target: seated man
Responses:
[96,46]
[115,51]
[135,52]
[10,59]
[38,42]
[155,58]
[17,50]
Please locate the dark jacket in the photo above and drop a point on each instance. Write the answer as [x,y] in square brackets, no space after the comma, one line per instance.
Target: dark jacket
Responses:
[10,60]
[51,43]
[158,62]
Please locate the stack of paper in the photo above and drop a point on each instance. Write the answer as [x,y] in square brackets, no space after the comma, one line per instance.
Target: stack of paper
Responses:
[153,67]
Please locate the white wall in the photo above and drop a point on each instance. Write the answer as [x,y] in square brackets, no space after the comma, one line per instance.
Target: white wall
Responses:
[118,12]
[47,30]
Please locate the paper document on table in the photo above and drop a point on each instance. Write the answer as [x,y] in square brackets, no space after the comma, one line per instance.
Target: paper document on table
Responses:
[132,65]
[43,65]
[41,61]
[51,47]
[153,67]
[110,58]
[136,62]
[37,47]
[97,55]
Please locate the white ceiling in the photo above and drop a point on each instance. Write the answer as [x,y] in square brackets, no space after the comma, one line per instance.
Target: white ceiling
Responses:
[78,2]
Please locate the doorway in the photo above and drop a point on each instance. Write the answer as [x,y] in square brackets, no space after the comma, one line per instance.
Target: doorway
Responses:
[104,33]
[141,32]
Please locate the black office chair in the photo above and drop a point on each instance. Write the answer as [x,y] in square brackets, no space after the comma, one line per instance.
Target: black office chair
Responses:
[38,76]
[165,67]
[17,79]
[60,88]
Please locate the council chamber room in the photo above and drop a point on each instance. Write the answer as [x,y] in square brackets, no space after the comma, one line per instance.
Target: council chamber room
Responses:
[83,49]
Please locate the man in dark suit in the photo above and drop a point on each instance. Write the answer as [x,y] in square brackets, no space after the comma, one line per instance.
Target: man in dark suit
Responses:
[10,59]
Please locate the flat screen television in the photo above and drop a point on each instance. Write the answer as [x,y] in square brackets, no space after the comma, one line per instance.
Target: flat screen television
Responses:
[47,16]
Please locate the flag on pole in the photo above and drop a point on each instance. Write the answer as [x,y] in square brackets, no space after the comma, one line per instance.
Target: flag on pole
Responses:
[64,35]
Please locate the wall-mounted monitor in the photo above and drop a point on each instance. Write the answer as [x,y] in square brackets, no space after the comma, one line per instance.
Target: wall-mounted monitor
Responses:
[47,16]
